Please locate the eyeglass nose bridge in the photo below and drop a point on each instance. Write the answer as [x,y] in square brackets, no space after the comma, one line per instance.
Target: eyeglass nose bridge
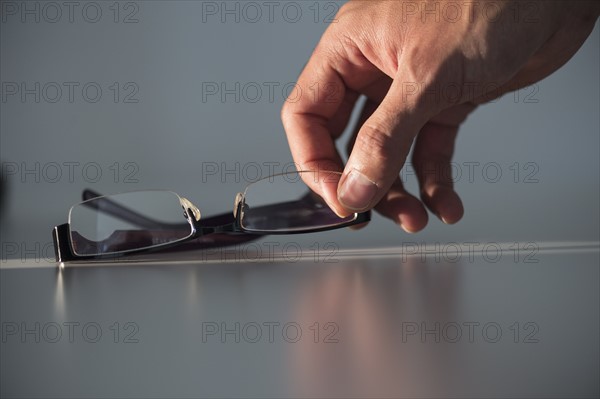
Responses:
[187,204]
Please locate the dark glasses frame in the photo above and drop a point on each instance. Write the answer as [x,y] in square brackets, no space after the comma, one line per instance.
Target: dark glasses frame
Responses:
[217,231]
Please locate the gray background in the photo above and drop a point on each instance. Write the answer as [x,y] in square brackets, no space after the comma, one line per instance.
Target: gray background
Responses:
[172,134]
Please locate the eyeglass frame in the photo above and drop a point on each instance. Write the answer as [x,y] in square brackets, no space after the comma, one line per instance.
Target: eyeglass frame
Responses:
[63,243]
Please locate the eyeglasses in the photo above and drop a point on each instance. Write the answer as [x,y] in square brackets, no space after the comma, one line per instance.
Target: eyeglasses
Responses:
[136,222]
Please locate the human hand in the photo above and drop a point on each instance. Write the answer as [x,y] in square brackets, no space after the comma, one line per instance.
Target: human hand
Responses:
[406,57]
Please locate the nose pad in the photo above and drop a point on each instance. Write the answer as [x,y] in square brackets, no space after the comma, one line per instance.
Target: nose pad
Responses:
[187,205]
[239,197]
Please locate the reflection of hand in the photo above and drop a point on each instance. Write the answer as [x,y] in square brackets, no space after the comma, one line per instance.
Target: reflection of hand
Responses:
[422,73]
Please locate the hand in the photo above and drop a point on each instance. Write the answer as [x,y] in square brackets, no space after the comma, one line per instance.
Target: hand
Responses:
[422,68]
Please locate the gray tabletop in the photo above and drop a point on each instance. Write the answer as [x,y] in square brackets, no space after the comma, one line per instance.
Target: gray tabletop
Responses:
[388,323]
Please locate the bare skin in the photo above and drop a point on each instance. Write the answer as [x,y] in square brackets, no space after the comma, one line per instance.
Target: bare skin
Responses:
[423,68]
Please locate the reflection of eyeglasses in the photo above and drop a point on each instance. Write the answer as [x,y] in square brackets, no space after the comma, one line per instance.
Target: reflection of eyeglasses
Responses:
[140,221]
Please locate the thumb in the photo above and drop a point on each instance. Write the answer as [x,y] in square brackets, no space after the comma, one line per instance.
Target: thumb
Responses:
[381,147]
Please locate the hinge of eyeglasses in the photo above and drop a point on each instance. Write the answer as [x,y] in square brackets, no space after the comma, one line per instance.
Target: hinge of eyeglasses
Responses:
[186,204]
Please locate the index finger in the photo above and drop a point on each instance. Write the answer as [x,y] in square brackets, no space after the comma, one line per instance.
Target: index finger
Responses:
[306,117]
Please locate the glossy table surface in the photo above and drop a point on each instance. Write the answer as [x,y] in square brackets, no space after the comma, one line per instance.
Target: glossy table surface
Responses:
[373,323]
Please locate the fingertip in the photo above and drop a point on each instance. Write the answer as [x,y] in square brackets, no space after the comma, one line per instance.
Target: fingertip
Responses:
[411,226]
[328,187]
[413,220]
[341,213]
[446,204]
[404,209]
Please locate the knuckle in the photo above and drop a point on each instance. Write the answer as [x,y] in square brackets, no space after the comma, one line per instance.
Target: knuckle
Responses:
[377,142]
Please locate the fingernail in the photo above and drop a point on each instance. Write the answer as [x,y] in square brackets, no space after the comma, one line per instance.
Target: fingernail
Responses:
[444,219]
[437,214]
[399,223]
[357,192]
[405,229]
